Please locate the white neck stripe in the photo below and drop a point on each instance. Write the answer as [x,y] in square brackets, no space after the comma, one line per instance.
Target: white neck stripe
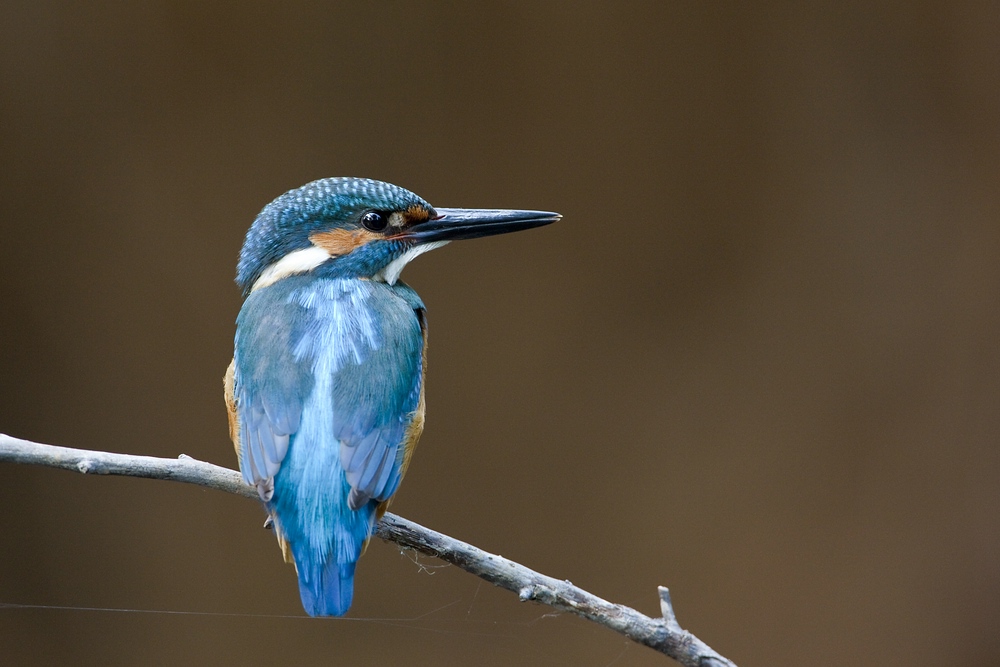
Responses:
[390,273]
[298,261]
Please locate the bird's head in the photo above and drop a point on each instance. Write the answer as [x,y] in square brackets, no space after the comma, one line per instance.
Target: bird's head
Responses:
[359,228]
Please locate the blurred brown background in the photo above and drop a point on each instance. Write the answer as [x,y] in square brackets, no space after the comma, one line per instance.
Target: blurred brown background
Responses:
[756,362]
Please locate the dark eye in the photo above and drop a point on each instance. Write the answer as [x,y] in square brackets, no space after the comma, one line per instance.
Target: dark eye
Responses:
[374,221]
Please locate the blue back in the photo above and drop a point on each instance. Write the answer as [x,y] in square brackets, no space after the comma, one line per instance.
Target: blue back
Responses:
[328,373]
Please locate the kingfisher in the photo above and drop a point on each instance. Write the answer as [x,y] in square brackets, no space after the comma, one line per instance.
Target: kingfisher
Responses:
[325,392]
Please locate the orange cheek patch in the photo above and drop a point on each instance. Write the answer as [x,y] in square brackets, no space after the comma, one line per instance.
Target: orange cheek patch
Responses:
[339,242]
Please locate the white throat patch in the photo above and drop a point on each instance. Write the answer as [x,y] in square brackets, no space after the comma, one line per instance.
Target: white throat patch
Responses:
[390,274]
[298,261]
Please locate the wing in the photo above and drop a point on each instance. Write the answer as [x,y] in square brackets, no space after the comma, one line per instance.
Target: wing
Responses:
[376,402]
[270,384]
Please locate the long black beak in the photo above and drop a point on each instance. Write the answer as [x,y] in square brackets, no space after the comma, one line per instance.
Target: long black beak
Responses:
[453,224]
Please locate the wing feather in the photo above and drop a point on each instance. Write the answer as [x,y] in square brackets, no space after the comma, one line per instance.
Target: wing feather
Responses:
[372,418]
[269,383]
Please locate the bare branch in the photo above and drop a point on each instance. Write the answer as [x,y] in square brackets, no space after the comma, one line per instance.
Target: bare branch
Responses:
[661,634]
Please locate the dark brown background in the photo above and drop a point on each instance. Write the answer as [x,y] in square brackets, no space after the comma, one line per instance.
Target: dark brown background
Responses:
[757,361]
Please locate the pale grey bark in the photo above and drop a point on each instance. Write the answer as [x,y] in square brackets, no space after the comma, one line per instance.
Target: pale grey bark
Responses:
[661,634]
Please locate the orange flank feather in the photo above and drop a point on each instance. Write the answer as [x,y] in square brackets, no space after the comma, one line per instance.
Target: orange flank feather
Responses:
[234,434]
[416,427]
[234,420]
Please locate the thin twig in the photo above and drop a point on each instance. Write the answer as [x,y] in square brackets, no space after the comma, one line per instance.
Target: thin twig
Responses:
[661,634]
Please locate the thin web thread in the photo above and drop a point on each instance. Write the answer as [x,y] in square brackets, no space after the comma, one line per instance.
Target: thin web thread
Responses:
[172,612]
[396,622]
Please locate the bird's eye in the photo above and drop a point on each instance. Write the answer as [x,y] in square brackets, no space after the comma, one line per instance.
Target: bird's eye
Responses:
[374,221]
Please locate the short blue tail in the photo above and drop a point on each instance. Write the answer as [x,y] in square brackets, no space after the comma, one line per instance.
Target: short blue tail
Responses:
[326,589]
[325,535]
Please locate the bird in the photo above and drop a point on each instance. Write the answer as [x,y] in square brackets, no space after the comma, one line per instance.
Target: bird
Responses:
[325,392]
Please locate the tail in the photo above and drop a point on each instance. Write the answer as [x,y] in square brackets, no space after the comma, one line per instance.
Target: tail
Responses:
[326,588]
[325,537]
